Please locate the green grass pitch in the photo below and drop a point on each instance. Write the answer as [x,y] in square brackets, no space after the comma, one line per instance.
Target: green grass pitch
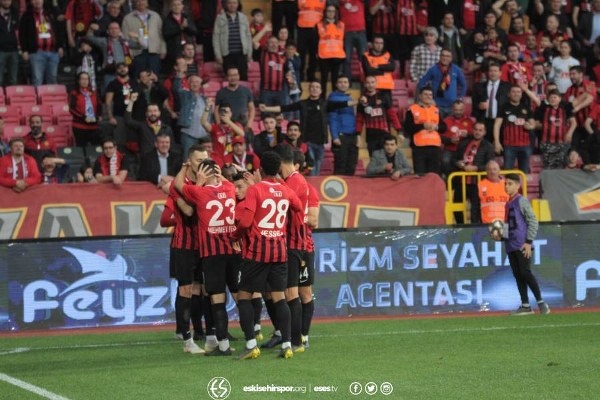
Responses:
[496,357]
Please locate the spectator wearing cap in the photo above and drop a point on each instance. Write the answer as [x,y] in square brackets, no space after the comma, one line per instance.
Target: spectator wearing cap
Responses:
[115,49]
[18,170]
[41,41]
[425,55]
[146,26]
[241,157]
[9,43]
[36,143]
[111,166]
[160,165]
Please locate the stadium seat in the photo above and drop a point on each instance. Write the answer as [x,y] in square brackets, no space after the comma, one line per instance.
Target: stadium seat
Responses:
[62,115]
[396,72]
[254,71]
[11,114]
[92,153]
[213,70]
[211,88]
[355,68]
[43,111]
[2,99]
[72,153]
[256,127]
[60,134]
[20,94]
[52,94]
[468,101]
[13,131]
[412,88]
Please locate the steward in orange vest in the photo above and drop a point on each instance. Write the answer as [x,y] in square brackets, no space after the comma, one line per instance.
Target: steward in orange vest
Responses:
[380,64]
[423,125]
[310,13]
[331,40]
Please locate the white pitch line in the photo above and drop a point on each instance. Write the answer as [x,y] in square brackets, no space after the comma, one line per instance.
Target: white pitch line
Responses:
[404,332]
[31,388]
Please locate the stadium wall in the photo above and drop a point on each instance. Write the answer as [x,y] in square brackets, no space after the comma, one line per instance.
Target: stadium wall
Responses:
[112,281]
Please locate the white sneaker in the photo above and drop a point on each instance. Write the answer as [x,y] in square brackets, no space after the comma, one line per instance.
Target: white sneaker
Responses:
[190,347]
[210,346]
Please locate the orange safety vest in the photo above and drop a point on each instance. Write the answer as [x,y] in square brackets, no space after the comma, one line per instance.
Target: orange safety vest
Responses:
[310,13]
[493,199]
[422,115]
[331,40]
[385,81]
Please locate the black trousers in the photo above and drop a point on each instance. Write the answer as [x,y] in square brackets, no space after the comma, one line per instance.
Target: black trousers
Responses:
[287,10]
[375,139]
[427,159]
[308,41]
[205,38]
[238,60]
[472,196]
[521,269]
[329,66]
[345,156]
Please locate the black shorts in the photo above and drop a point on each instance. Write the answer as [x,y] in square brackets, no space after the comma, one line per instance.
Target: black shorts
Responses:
[220,272]
[307,271]
[295,261]
[185,266]
[254,276]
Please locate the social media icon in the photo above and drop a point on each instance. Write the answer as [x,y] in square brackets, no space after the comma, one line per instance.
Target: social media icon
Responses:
[355,388]
[386,388]
[371,388]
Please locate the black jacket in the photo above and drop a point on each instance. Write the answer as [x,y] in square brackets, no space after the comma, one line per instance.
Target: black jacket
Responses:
[311,109]
[172,33]
[480,93]
[144,134]
[150,166]
[485,153]
[8,32]
[28,31]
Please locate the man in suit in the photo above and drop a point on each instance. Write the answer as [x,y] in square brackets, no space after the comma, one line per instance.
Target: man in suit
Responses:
[160,166]
[389,161]
[486,106]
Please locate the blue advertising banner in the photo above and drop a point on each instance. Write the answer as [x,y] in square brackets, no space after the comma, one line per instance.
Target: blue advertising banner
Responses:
[93,282]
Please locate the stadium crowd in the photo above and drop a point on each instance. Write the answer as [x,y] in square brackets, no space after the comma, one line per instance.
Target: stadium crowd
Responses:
[462,81]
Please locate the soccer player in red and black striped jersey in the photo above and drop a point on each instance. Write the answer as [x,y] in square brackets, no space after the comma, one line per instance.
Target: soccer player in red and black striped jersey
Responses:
[214,200]
[296,241]
[515,120]
[307,272]
[556,125]
[263,228]
[184,263]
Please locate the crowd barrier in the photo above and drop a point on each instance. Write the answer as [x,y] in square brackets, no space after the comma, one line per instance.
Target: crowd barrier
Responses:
[112,281]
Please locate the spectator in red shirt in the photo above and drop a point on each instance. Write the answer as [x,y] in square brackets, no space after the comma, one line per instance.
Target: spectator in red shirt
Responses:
[240,156]
[223,132]
[79,15]
[37,144]
[85,109]
[18,170]
[458,127]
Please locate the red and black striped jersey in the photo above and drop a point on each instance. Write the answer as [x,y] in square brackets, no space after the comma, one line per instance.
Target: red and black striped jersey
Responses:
[215,207]
[313,202]
[379,113]
[555,122]
[272,66]
[575,91]
[185,233]
[513,124]
[297,226]
[263,223]
[406,17]
[384,20]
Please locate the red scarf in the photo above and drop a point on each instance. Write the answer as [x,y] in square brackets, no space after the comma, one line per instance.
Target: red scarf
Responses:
[105,164]
[110,60]
[445,83]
